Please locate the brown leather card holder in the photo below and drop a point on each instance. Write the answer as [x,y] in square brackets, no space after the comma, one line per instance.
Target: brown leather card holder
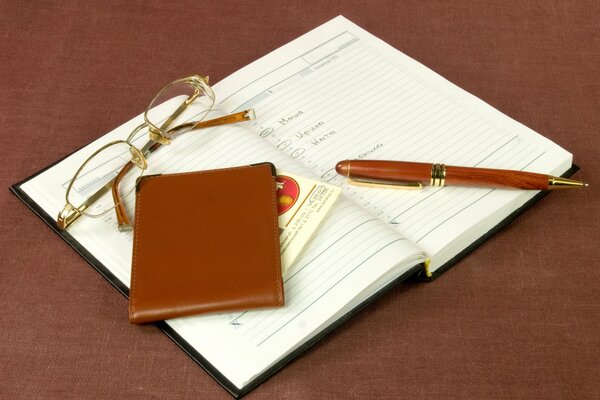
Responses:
[205,242]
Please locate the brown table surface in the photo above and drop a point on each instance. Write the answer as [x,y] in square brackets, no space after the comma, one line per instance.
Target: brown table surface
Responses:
[519,318]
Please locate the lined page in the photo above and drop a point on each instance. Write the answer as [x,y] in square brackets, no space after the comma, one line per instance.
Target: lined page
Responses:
[351,255]
[340,93]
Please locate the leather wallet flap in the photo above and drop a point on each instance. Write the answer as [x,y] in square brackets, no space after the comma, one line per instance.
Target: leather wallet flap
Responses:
[205,242]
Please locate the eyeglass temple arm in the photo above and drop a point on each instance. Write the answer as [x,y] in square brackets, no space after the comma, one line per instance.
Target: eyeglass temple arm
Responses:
[123,221]
[245,115]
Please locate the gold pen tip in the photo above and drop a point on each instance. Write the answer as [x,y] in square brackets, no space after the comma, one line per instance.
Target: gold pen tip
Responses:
[564,183]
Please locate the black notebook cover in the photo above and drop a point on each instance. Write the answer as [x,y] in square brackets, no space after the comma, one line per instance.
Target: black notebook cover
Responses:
[417,271]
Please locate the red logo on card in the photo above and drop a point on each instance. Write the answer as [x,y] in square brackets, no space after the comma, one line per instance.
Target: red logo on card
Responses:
[288,192]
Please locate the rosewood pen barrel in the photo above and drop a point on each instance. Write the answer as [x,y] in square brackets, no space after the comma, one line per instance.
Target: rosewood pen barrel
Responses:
[386,171]
[497,178]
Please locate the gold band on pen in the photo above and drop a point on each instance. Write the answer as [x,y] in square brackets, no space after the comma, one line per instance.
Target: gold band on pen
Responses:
[438,175]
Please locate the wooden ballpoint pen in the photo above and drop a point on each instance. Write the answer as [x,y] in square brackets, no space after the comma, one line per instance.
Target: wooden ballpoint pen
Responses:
[413,175]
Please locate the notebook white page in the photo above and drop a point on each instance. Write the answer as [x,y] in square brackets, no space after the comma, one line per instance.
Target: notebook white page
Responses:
[340,93]
[335,93]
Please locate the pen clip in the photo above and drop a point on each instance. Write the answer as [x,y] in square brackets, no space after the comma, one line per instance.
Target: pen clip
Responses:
[385,184]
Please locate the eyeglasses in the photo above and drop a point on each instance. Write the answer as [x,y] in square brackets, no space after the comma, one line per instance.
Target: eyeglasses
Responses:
[179,107]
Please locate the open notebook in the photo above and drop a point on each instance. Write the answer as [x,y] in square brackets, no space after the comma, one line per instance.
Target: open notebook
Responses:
[335,93]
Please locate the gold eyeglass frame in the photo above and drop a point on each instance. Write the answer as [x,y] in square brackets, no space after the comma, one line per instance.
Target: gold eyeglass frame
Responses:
[159,135]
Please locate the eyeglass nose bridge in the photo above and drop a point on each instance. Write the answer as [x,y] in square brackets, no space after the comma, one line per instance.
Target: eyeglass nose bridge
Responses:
[158,137]
[137,158]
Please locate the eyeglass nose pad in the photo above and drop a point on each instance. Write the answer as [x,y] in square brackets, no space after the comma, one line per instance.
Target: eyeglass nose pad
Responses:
[157,137]
[137,157]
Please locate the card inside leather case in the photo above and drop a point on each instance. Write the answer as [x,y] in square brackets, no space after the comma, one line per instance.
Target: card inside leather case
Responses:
[205,242]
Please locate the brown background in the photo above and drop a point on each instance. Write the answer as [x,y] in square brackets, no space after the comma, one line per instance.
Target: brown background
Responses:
[517,319]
